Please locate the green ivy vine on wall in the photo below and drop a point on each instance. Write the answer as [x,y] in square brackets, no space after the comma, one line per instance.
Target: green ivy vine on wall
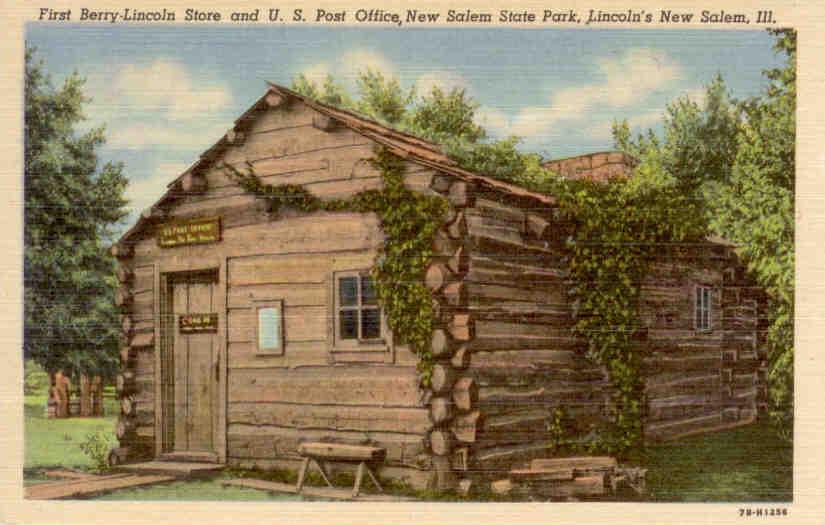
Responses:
[409,222]
[622,225]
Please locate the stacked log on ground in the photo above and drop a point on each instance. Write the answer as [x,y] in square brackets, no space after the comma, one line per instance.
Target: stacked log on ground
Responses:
[573,478]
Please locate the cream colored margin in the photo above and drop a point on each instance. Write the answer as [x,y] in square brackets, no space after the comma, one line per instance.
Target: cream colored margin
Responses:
[808,16]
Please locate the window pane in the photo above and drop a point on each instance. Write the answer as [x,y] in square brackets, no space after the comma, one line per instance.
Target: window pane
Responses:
[348,324]
[269,329]
[370,324]
[368,291]
[348,291]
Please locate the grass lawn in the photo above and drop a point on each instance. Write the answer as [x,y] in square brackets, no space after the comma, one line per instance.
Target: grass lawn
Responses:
[745,464]
[209,490]
[56,442]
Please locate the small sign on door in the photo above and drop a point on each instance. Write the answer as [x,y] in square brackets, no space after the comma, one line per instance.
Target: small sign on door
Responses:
[198,323]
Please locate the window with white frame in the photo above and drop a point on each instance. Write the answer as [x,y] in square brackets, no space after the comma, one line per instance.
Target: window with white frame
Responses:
[702,315]
[358,318]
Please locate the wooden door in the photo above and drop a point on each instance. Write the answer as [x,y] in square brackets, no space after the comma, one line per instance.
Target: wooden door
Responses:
[195,363]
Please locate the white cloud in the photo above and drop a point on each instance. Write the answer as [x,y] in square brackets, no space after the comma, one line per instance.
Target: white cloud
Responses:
[162,88]
[446,80]
[358,60]
[144,192]
[493,120]
[622,82]
[317,73]
[173,135]
[348,66]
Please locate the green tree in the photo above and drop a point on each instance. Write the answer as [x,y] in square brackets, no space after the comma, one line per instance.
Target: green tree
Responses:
[755,209]
[71,206]
[445,116]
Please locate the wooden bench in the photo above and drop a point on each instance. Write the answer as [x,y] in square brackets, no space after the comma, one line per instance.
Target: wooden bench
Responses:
[321,453]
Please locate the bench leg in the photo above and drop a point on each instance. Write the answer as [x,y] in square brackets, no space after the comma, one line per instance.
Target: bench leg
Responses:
[358,477]
[302,475]
[324,473]
[374,479]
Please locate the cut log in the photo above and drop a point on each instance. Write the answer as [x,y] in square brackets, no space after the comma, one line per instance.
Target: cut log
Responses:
[538,475]
[462,327]
[193,183]
[459,261]
[501,487]
[441,442]
[437,277]
[441,410]
[323,122]
[465,394]
[125,382]
[118,456]
[444,476]
[127,406]
[536,226]
[234,137]
[273,100]
[461,194]
[123,297]
[142,340]
[441,183]
[455,294]
[440,345]
[442,378]
[458,228]
[126,324]
[342,452]
[125,427]
[124,274]
[465,426]
[578,463]
[122,250]
[461,358]
[153,213]
[444,245]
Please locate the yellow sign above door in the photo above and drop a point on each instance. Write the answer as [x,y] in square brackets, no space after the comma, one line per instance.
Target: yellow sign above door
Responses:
[194,231]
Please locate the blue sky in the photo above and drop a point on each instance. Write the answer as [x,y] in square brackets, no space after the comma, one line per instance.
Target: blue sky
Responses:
[166,93]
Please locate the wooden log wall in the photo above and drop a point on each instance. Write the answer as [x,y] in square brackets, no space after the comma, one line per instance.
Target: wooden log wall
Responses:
[505,355]
[135,383]
[700,381]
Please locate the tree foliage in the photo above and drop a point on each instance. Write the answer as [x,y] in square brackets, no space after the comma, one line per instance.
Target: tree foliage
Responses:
[755,209]
[71,205]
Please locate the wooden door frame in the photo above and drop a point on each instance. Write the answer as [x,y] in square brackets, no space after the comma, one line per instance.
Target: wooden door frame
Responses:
[161,308]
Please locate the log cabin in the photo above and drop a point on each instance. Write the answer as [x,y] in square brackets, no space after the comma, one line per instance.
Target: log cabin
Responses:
[246,334]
